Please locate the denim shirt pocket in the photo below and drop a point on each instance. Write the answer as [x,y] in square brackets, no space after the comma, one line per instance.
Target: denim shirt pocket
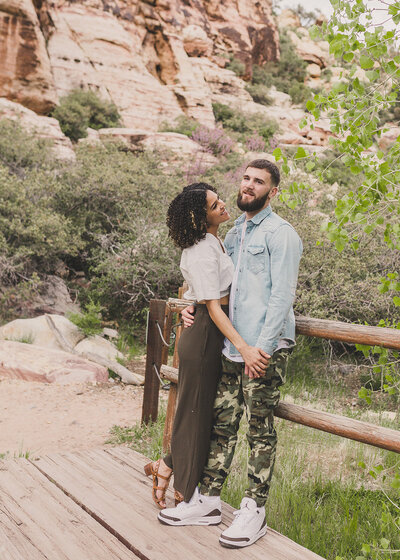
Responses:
[256,258]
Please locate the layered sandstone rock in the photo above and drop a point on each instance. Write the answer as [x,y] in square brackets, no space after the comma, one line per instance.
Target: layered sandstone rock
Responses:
[138,54]
[33,363]
[38,332]
[179,145]
[25,71]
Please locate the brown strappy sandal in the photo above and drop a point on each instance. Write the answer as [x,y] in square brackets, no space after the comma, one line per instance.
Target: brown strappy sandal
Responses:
[178,497]
[151,469]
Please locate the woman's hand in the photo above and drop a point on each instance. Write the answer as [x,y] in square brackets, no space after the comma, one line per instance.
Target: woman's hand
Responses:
[188,316]
[256,361]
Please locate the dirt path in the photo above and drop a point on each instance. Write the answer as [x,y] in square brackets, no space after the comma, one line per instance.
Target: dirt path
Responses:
[40,418]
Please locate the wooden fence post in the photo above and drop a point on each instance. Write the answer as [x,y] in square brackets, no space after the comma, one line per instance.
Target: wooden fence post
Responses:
[153,358]
[173,390]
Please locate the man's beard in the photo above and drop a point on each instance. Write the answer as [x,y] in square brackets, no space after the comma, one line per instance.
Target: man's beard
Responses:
[253,205]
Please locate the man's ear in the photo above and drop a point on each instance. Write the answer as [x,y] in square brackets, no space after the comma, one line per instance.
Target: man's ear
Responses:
[273,192]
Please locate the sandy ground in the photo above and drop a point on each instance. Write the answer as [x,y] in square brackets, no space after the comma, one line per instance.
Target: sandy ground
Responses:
[42,418]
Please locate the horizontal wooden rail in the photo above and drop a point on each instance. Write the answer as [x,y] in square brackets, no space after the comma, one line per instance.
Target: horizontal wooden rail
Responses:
[332,330]
[348,332]
[364,432]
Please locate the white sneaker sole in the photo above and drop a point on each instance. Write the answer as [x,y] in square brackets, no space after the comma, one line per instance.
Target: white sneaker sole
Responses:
[175,522]
[241,544]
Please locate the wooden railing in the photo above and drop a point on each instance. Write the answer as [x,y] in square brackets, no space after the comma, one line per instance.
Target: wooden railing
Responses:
[161,320]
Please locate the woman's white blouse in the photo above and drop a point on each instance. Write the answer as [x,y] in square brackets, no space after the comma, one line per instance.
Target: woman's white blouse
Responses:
[207,269]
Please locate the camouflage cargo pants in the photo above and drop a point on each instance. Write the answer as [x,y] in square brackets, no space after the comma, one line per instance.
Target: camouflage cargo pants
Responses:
[258,397]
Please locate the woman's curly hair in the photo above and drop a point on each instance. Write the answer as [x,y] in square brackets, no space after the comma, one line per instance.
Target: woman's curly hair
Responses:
[187,215]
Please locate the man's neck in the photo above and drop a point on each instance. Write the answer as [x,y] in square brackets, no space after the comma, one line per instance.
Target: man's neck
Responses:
[250,215]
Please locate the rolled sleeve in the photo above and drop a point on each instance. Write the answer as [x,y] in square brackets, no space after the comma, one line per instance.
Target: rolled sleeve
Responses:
[204,278]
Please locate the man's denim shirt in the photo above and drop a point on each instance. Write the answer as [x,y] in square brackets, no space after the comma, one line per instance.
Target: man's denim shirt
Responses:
[266,282]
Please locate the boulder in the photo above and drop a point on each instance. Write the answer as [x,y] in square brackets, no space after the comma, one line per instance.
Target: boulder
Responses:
[38,332]
[314,70]
[287,18]
[308,50]
[389,137]
[100,346]
[196,42]
[25,70]
[53,298]
[43,127]
[34,363]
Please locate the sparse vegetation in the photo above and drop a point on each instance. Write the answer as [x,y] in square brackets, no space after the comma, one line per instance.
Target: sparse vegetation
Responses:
[244,124]
[287,75]
[236,66]
[90,321]
[259,93]
[182,125]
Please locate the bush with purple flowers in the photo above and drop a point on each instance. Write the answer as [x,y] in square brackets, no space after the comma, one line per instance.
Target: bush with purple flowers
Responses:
[255,143]
[214,140]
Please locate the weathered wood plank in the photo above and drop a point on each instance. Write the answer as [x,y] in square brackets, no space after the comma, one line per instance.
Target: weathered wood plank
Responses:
[153,358]
[39,522]
[385,438]
[111,486]
[348,332]
[332,330]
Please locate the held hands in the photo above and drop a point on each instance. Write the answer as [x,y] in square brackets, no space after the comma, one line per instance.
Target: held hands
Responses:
[256,361]
[188,316]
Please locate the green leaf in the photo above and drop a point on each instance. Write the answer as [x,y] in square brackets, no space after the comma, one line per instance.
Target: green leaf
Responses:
[372,75]
[310,105]
[310,165]
[348,57]
[277,153]
[301,153]
[396,301]
[395,484]
[365,62]
[385,543]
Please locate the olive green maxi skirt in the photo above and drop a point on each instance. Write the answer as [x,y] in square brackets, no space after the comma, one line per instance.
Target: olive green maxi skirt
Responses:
[199,351]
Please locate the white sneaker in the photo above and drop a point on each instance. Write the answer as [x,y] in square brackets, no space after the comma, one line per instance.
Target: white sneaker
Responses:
[247,527]
[201,510]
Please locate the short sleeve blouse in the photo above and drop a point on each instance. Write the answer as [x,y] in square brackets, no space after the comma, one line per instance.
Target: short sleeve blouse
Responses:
[207,269]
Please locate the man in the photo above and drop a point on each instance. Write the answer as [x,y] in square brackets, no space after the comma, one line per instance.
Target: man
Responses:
[266,251]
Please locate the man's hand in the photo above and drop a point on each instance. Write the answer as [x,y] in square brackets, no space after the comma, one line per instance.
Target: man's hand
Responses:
[256,362]
[188,316]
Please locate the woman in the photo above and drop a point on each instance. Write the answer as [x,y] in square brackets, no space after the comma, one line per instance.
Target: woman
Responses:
[193,219]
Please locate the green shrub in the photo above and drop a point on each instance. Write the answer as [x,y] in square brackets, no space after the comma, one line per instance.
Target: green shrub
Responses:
[236,66]
[21,151]
[299,93]
[288,74]
[222,113]
[81,109]
[33,235]
[243,123]
[182,125]
[89,322]
[259,93]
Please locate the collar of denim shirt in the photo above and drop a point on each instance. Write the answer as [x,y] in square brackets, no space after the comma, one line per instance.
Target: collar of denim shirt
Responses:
[257,219]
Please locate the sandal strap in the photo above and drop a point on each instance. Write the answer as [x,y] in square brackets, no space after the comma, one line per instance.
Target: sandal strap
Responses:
[163,477]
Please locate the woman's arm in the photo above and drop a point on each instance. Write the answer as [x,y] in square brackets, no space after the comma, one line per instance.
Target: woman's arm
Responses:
[255,359]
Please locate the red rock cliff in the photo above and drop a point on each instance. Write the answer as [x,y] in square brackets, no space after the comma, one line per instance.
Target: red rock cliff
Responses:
[152,58]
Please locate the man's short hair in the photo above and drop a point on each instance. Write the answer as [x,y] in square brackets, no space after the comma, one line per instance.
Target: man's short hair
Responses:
[268,166]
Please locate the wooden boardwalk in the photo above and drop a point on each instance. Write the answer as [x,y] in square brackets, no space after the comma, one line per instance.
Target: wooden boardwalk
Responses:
[95,505]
